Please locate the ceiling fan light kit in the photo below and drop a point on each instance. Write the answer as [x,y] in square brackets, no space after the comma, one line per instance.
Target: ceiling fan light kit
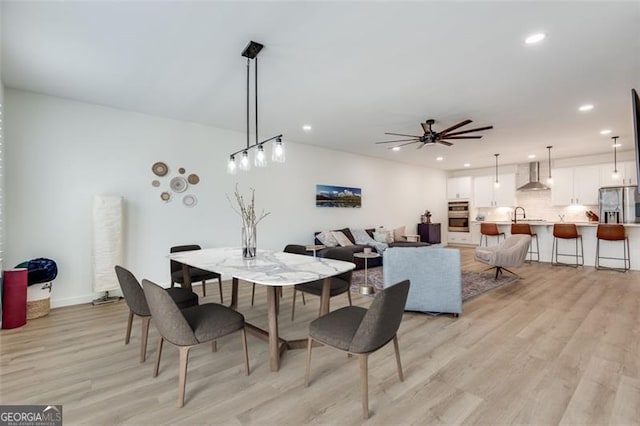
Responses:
[260,160]
[431,137]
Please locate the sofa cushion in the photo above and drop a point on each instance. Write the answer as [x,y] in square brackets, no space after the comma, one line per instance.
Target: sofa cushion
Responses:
[342,239]
[326,238]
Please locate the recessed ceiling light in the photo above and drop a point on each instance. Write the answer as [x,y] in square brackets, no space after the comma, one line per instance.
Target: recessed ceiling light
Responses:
[531,156]
[617,145]
[585,108]
[605,131]
[395,148]
[307,127]
[439,158]
[467,164]
[535,38]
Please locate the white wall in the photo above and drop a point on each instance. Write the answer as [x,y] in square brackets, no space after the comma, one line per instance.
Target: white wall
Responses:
[60,153]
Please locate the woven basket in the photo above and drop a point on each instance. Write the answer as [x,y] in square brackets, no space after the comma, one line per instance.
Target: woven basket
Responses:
[38,308]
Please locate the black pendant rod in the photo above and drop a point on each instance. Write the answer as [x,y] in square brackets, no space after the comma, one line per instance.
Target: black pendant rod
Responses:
[248,60]
[255,65]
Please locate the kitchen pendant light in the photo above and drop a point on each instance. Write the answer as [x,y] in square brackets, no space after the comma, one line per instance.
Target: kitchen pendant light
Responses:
[615,175]
[496,184]
[549,179]
[260,160]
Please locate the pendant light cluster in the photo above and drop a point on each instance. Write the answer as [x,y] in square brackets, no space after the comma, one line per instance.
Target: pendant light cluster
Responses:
[260,159]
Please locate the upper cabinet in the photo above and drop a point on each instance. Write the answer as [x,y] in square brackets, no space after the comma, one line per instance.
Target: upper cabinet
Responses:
[485,194]
[459,188]
[575,185]
[627,174]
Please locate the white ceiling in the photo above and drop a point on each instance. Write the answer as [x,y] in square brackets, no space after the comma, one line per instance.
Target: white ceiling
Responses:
[352,70]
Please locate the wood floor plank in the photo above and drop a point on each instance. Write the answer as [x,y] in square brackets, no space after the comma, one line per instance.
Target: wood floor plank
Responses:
[559,346]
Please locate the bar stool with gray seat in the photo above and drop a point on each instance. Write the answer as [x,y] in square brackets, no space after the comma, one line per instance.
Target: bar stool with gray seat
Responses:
[566,231]
[191,327]
[613,232]
[525,229]
[196,274]
[490,230]
[134,296]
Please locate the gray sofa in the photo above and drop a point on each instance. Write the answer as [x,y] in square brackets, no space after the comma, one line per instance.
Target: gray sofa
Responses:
[357,248]
[435,274]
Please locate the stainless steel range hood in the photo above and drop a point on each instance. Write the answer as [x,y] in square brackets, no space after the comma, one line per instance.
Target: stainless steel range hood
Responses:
[534,179]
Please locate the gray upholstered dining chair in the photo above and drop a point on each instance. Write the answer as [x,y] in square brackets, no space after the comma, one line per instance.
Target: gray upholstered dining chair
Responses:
[190,327]
[134,296]
[289,248]
[339,283]
[196,274]
[356,330]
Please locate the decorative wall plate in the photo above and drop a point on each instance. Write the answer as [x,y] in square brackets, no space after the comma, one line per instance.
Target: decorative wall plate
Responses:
[178,184]
[189,200]
[160,168]
[193,179]
[165,196]
[155,183]
[181,170]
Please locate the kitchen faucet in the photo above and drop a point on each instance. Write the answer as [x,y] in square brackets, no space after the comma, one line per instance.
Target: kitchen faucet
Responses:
[515,214]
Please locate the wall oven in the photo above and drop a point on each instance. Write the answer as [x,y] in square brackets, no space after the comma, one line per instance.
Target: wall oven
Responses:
[458,216]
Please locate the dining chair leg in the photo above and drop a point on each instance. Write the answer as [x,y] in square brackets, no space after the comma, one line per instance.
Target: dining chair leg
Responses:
[253,293]
[158,355]
[293,304]
[214,346]
[308,371]
[127,336]
[220,289]
[246,351]
[184,360]
[364,373]
[204,290]
[349,296]
[144,337]
[398,363]
[304,301]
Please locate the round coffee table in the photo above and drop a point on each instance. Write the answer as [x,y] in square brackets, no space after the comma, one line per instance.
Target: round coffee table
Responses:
[366,288]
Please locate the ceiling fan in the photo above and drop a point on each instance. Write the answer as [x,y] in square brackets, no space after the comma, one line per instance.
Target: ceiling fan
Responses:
[432,137]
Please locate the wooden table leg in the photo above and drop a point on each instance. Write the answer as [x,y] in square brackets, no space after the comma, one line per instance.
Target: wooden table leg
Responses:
[274,341]
[234,293]
[324,298]
[186,276]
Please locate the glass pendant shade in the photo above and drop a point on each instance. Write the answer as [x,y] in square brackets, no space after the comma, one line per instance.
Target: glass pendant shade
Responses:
[231,166]
[260,159]
[245,165]
[278,154]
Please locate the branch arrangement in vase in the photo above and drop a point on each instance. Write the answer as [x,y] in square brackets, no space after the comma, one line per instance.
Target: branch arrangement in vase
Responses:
[247,212]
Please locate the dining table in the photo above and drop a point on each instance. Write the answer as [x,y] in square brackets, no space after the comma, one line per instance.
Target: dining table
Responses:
[272,269]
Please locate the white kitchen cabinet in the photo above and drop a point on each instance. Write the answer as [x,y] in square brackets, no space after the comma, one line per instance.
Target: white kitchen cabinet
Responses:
[459,188]
[627,174]
[485,194]
[459,238]
[575,186]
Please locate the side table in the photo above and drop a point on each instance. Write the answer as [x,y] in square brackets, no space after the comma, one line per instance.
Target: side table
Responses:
[314,248]
[366,288]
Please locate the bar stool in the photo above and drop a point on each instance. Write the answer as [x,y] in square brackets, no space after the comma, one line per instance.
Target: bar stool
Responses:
[525,228]
[489,229]
[613,232]
[566,231]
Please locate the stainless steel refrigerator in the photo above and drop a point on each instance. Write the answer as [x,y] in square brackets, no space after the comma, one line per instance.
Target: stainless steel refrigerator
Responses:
[619,204]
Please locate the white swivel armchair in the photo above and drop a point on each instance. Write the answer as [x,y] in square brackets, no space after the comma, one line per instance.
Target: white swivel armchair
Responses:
[510,253]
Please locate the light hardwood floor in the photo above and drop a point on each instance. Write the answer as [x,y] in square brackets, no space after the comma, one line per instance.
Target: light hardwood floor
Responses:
[560,346]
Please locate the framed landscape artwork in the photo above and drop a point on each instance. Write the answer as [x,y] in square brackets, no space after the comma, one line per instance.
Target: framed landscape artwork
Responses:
[338,196]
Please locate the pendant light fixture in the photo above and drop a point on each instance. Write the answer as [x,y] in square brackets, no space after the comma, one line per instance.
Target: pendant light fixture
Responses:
[496,184]
[615,175]
[549,179]
[260,160]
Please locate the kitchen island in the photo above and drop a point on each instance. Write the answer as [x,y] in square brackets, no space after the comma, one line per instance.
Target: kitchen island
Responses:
[544,230]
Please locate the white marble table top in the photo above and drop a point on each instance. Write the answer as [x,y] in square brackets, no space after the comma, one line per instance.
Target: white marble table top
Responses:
[274,268]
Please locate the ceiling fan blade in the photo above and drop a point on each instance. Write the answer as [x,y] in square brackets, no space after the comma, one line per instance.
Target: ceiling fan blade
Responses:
[401,145]
[466,131]
[425,127]
[399,140]
[423,145]
[401,134]
[445,143]
[462,137]
[455,126]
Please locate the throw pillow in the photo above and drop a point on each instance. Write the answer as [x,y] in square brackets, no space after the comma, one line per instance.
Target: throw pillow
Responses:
[388,235]
[380,237]
[342,239]
[398,234]
[327,238]
[360,236]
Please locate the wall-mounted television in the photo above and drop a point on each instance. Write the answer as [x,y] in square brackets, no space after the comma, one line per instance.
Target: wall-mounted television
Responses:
[635,100]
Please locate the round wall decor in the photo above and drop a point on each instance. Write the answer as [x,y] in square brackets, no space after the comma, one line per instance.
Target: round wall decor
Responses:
[160,168]
[178,184]
[165,196]
[189,200]
[181,170]
[155,183]
[193,179]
